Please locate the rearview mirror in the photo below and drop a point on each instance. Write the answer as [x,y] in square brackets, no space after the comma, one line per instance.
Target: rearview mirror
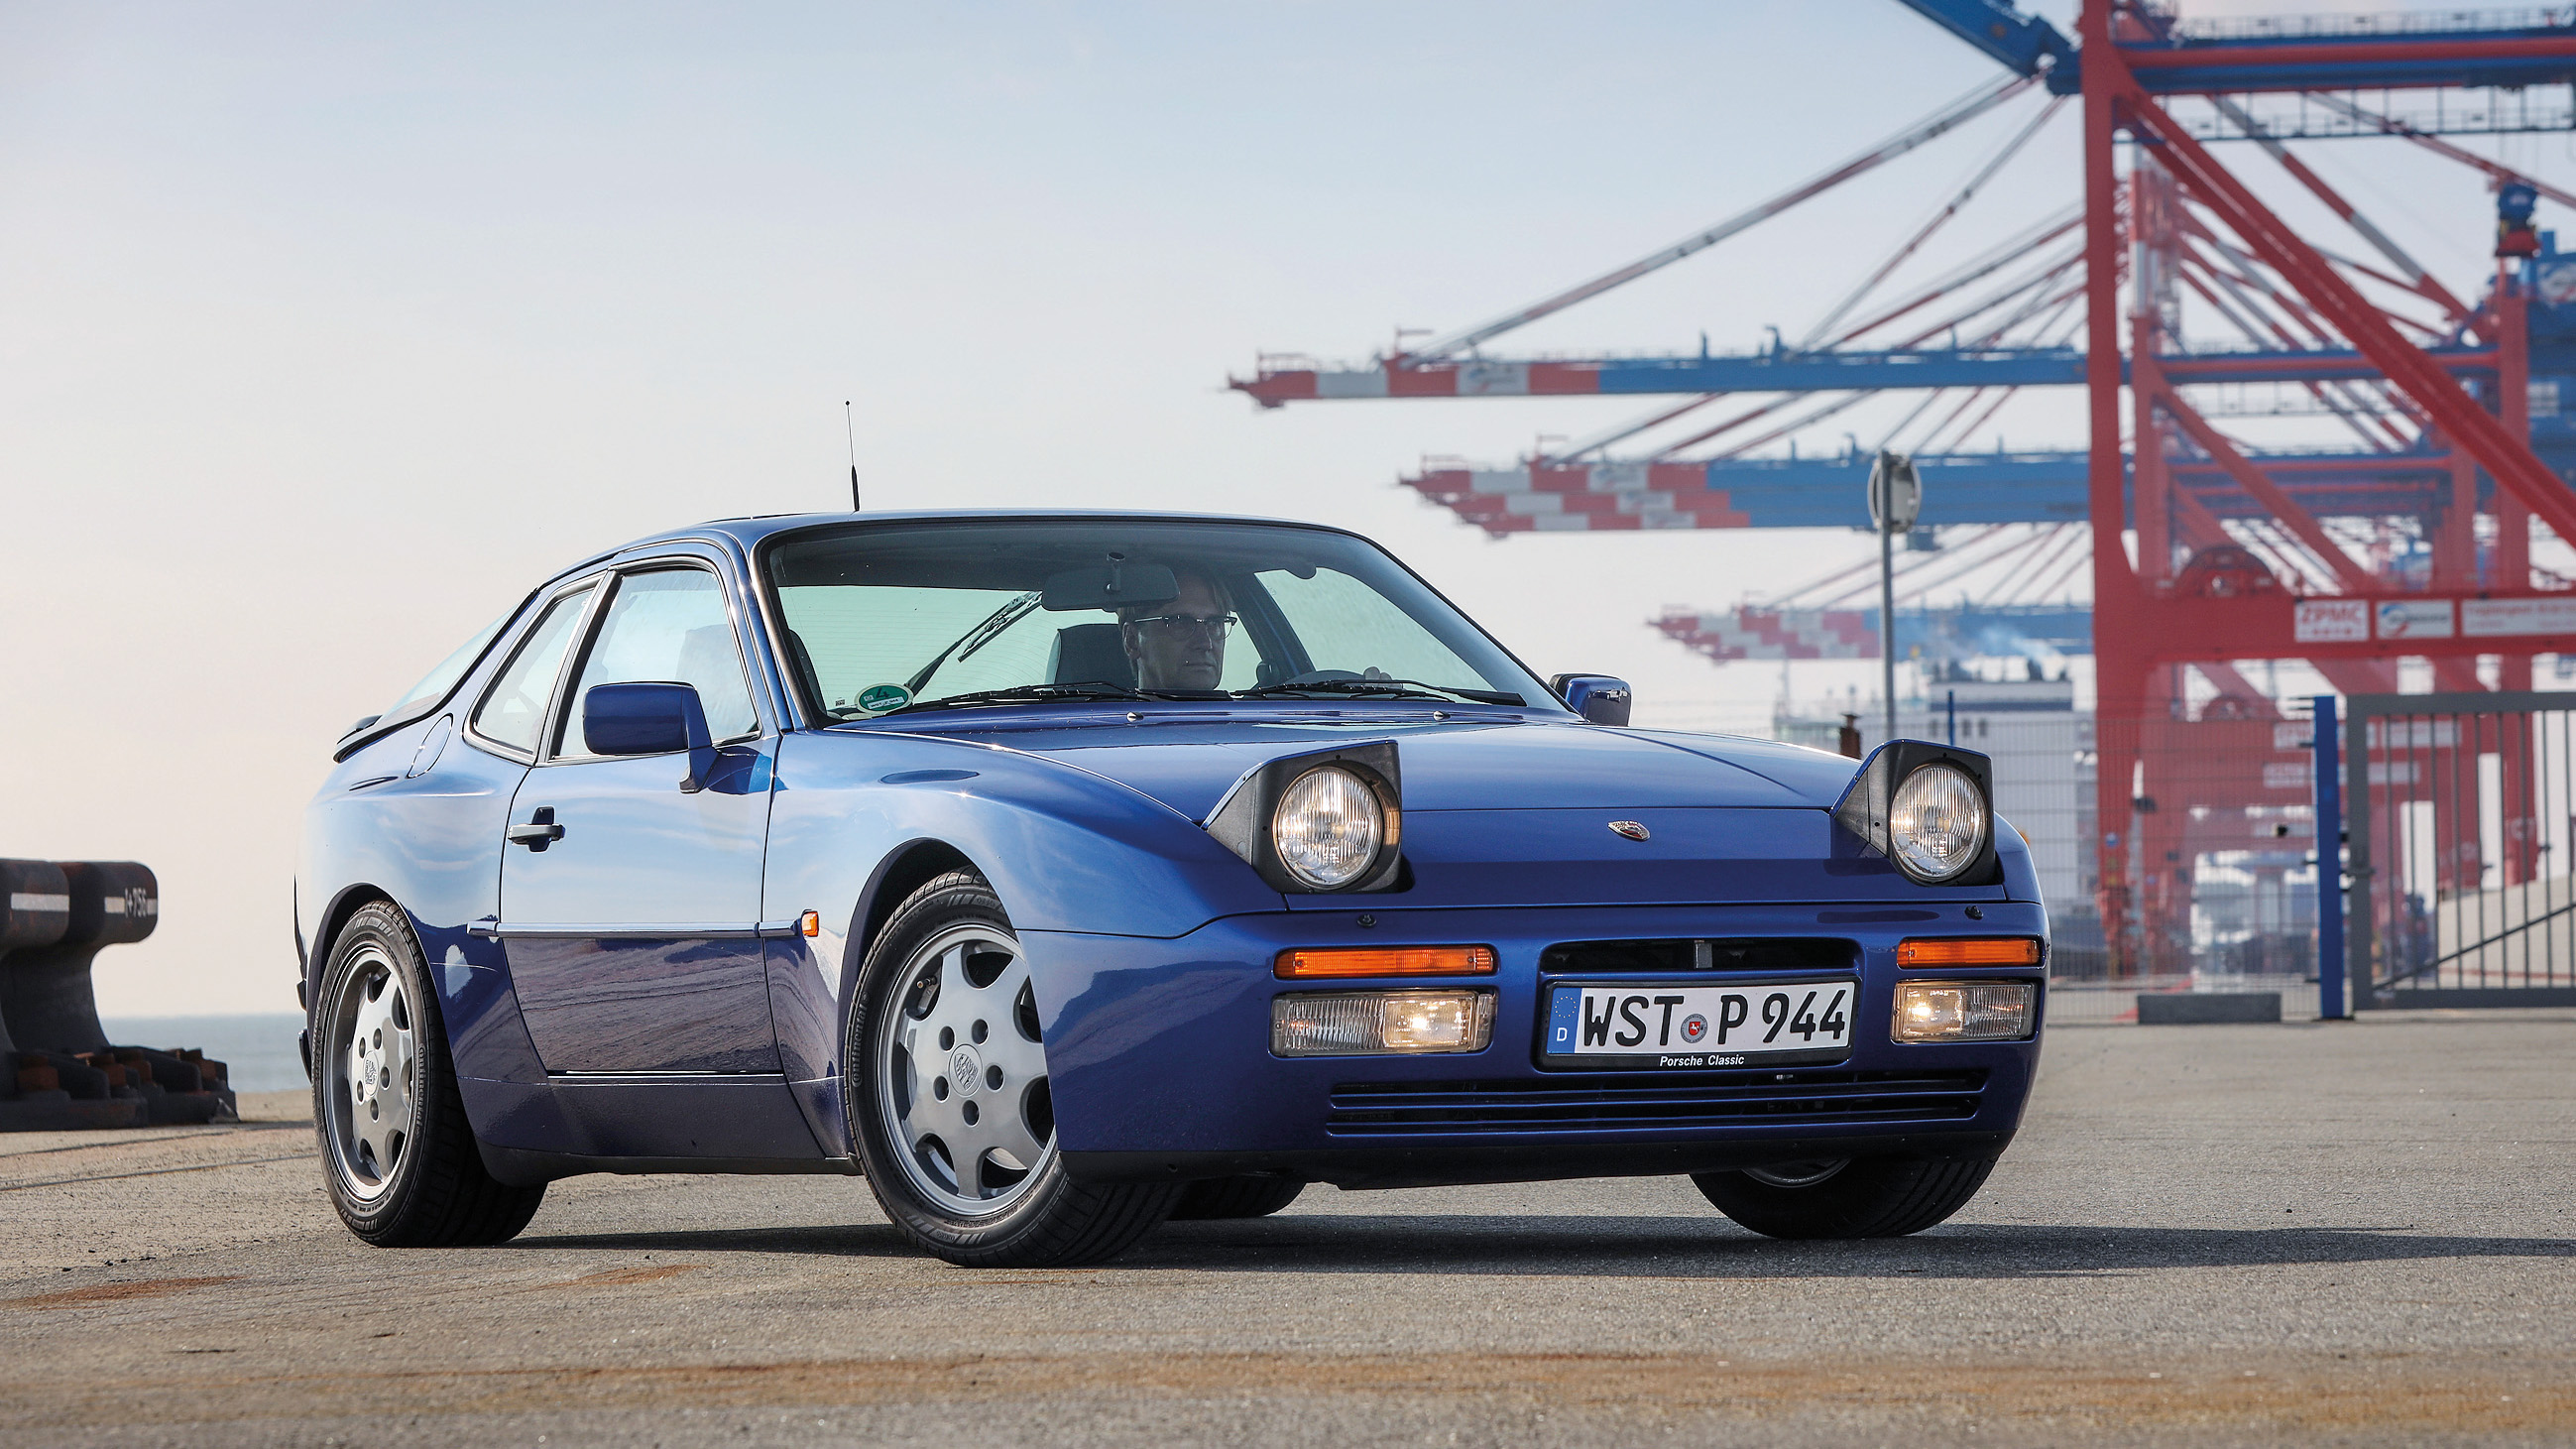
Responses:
[1597,697]
[1112,586]
[649,719]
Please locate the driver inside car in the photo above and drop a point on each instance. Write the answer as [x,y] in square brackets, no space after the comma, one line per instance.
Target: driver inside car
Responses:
[1180,643]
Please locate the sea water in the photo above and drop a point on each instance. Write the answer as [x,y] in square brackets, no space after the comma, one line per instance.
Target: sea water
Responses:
[258,1049]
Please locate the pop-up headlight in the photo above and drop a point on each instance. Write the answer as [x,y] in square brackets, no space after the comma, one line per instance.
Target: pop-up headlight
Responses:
[1326,821]
[1327,827]
[1928,808]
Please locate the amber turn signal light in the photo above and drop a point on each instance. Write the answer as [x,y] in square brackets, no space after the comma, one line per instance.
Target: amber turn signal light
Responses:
[810,924]
[1306,964]
[1969,951]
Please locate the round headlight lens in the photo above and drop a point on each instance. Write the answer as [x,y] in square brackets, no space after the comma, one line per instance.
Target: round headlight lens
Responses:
[1937,823]
[1328,827]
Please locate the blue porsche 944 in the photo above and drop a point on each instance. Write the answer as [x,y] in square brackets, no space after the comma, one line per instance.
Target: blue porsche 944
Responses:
[1063,873]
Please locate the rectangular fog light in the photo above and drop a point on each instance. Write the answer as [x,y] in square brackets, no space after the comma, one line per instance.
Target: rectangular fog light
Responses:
[1380,1023]
[1965,1010]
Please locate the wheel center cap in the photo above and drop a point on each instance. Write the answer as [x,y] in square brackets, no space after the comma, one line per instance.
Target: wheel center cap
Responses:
[965,1070]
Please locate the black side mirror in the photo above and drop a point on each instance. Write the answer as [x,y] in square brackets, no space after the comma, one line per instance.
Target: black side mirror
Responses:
[649,719]
[1596,697]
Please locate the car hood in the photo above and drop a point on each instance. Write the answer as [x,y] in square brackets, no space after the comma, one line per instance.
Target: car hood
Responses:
[1460,764]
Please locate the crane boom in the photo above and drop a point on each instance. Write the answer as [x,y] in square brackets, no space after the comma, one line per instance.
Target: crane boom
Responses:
[1948,118]
[2026,45]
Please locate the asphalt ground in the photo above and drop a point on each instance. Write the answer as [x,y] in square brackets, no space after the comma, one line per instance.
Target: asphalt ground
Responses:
[2334,1233]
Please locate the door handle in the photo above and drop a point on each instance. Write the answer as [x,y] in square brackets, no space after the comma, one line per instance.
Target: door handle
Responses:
[540,831]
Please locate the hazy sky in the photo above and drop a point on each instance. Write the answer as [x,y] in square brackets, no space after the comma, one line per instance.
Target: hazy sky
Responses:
[326,330]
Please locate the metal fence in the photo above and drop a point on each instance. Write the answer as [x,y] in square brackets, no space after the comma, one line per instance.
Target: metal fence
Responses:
[2218,842]
[2461,838]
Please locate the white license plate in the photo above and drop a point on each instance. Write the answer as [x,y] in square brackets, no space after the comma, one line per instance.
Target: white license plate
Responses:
[1718,1024]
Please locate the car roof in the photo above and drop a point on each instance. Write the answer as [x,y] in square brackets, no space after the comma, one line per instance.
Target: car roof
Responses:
[749,532]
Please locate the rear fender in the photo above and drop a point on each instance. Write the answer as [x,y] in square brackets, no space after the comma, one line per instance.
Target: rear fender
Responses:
[429,843]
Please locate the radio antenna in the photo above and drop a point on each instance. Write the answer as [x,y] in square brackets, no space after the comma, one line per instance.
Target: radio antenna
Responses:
[849,434]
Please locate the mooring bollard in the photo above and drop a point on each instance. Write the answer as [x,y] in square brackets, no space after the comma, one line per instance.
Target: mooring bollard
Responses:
[39,907]
[40,1089]
[50,1002]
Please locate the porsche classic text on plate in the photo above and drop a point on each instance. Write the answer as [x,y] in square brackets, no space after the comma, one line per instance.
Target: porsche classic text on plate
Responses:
[1060,873]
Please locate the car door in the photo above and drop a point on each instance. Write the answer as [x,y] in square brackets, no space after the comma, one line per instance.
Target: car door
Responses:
[631,906]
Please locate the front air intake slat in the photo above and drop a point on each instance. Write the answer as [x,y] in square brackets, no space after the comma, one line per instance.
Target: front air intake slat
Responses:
[1374,1109]
[1728,954]
[1479,1094]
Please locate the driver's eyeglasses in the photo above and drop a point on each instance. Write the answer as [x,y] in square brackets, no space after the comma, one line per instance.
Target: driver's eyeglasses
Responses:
[1219,624]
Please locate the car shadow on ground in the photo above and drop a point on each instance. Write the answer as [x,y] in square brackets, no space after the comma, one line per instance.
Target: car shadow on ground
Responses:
[1641,1246]
[834,1240]
[1682,1247]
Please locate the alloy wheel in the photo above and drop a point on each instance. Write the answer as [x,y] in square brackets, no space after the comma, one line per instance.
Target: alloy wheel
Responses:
[962,1072]
[374,1075]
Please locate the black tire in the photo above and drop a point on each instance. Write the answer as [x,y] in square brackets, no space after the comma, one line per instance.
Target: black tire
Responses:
[1042,1217]
[1236,1197]
[1865,1197]
[434,1192]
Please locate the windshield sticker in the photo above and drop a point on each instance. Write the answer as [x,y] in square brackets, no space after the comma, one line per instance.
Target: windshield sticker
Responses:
[878,698]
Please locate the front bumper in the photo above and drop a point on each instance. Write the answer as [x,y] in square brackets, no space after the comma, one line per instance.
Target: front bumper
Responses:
[1158,1055]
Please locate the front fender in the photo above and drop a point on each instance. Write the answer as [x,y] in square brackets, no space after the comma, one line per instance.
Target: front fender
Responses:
[1066,850]
[2021,876]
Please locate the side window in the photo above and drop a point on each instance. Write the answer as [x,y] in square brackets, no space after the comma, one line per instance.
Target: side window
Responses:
[513,710]
[669,624]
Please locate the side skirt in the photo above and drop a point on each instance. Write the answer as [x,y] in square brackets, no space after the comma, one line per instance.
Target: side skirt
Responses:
[577,1122]
[523,1167]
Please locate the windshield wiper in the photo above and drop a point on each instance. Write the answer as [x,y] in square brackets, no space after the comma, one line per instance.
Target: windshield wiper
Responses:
[1029,694]
[1379,689]
[979,636]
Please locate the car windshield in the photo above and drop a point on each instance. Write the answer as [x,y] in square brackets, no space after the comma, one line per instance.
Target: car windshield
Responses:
[906,616]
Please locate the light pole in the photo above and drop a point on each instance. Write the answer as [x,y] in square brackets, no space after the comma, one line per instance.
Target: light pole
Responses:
[1895,501]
